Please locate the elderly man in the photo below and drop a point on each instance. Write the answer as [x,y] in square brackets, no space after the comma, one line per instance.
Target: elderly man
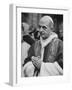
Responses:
[46,54]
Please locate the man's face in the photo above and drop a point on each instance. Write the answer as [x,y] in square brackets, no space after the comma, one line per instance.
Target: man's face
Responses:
[44,29]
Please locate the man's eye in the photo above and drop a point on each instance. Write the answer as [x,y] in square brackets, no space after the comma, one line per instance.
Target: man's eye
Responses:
[44,27]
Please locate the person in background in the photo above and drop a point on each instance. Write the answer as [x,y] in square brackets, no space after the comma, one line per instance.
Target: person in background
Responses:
[34,33]
[46,54]
[26,42]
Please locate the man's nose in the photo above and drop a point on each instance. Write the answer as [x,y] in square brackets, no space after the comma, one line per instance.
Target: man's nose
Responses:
[41,29]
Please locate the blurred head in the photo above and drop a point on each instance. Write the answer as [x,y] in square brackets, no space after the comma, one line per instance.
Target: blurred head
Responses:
[45,26]
[24,29]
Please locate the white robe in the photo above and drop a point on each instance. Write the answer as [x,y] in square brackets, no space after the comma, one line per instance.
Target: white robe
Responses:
[50,69]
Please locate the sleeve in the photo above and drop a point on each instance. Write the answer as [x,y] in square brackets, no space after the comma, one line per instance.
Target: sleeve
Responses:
[28,39]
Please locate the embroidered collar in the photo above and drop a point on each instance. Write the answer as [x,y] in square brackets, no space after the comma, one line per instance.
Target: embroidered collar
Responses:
[48,40]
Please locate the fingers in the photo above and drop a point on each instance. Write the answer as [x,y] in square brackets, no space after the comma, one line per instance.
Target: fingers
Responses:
[36,61]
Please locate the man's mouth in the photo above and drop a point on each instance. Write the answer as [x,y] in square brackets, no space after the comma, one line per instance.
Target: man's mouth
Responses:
[42,33]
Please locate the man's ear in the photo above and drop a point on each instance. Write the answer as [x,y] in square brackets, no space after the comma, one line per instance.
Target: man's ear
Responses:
[51,26]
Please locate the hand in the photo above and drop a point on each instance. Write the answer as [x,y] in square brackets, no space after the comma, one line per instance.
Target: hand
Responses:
[36,62]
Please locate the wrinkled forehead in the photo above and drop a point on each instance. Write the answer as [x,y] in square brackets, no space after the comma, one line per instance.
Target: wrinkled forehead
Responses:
[45,21]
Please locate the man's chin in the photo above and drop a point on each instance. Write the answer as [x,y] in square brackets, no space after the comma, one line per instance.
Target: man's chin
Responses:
[43,37]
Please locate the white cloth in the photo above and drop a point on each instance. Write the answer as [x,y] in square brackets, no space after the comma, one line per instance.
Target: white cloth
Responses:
[28,69]
[24,53]
[24,50]
[50,69]
[46,42]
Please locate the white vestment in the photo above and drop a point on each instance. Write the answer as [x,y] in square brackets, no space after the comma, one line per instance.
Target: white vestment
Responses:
[50,69]
[24,53]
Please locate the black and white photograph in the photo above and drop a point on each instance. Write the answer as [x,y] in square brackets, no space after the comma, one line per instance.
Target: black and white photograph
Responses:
[38,53]
[41,44]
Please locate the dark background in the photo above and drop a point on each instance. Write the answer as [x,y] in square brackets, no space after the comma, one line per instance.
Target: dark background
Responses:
[33,19]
